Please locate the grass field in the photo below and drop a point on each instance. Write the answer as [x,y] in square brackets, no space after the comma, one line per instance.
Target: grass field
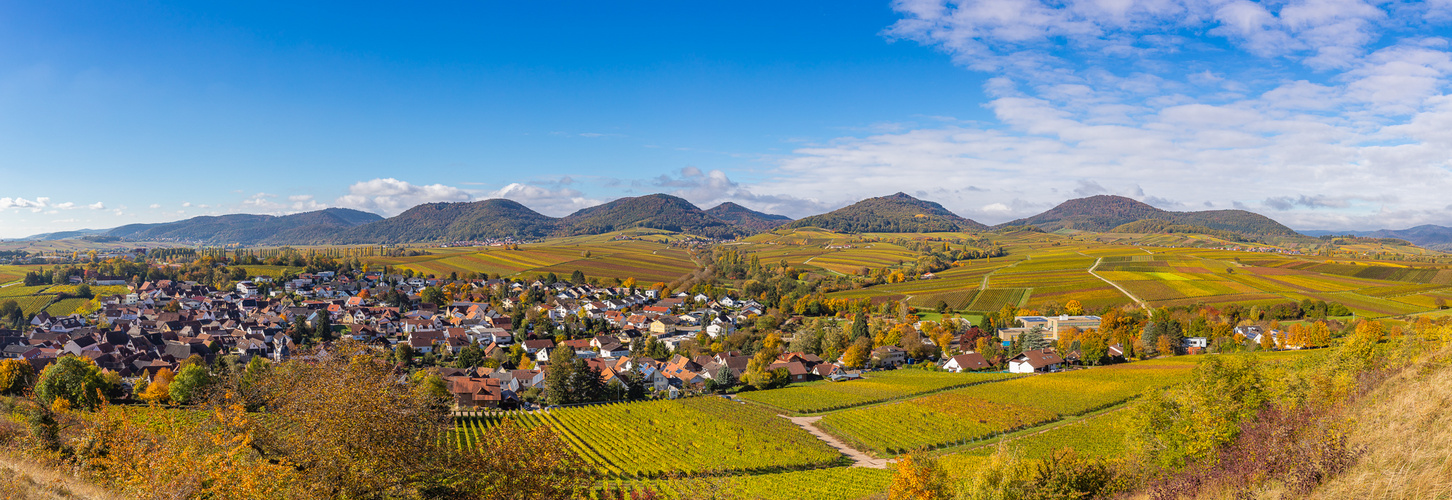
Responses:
[823,396]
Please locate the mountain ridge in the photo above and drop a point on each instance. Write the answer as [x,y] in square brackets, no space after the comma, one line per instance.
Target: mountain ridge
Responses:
[894,213]
[1103,213]
[747,218]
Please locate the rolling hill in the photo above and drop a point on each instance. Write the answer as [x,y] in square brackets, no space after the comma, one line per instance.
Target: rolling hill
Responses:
[1104,213]
[655,211]
[249,229]
[465,221]
[746,218]
[897,213]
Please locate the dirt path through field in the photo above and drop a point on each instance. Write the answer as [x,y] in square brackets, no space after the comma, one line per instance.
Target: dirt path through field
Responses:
[859,459]
[1121,289]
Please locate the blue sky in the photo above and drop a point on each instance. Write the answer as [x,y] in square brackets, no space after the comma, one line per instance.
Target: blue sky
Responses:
[1325,114]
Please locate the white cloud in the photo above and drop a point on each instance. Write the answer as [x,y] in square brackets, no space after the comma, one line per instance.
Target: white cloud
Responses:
[97,206]
[553,202]
[65,206]
[391,196]
[1182,120]
[708,189]
[36,205]
[155,206]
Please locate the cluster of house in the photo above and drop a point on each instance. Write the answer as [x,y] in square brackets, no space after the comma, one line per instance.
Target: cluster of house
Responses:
[160,324]
[499,387]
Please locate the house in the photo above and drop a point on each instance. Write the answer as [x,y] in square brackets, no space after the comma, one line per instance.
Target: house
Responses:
[796,371]
[889,355]
[1037,360]
[475,392]
[970,361]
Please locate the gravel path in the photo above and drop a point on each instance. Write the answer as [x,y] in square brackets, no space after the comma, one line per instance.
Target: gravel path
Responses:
[859,459]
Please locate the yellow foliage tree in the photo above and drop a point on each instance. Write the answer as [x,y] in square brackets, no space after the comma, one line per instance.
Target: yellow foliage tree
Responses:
[917,477]
[159,390]
[856,356]
[15,376]
[1074,307]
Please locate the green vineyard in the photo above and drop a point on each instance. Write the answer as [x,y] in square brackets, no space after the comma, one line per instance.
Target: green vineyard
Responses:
[929,422]
[654,439]
[877,387]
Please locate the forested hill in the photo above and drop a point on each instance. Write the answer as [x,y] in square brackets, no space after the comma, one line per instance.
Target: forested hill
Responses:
[898,213]
[747,218]
[496,218]
[1104,213]
[655,211]
[500,218]
[247,229]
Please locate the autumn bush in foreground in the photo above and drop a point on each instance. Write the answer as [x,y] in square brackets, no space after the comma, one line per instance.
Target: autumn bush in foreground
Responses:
[338,424]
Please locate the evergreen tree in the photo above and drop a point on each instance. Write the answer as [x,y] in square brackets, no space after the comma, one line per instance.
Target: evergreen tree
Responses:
[1034,339]
[859,326]
[560,376]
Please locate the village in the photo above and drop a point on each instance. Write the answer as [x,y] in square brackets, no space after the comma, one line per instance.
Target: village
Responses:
[490,353]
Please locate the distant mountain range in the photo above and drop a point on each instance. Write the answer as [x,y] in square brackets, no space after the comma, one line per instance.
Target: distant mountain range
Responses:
[248,229]
[499,218]
[1106,213]
[897,213]
[1425,236]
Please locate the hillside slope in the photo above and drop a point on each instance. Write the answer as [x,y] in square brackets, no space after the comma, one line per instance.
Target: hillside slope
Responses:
[746,218]
[897,213]
[1103,213]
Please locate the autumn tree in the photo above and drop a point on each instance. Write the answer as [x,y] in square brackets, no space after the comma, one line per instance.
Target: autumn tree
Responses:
[857,355]
[1073,307]
[159,390]
[918,477]
[16,375]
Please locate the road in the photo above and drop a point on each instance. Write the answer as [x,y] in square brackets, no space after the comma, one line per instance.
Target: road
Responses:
[1121,289]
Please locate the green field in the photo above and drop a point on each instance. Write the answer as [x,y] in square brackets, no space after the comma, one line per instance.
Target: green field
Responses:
[823,396]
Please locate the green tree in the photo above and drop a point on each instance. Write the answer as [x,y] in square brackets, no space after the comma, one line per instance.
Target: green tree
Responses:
[323,331]
[577,277]
[561,376]
[434,295]
[74,379]
[724,377]
[190,384]
[403,354]
[469,356]
[1034,339]
[859,326]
